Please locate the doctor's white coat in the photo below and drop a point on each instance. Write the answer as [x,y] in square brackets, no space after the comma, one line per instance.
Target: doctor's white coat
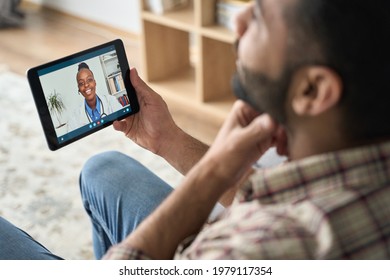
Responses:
[80,118]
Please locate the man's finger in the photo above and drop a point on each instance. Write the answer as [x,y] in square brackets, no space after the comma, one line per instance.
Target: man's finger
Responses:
[119,126]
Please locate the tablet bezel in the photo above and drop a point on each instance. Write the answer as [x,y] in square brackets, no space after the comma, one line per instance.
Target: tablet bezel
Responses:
[42,106]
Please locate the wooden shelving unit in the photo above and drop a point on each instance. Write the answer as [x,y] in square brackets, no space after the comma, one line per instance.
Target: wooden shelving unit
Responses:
[190,60]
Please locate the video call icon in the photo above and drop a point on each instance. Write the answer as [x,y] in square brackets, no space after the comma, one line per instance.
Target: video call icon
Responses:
[92,125]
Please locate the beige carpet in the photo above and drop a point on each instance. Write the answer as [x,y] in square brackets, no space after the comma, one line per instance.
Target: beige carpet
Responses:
[39,188]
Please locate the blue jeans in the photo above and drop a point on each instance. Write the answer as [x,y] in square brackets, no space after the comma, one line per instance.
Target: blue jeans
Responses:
[117,193]
[16,244]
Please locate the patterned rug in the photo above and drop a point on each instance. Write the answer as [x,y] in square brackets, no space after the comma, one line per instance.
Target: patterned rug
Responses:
[39,188]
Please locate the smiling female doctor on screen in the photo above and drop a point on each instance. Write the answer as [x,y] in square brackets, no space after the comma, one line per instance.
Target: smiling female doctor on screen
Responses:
[94,107]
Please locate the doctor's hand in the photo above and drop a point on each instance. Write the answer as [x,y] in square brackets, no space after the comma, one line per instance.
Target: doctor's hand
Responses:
[152,127]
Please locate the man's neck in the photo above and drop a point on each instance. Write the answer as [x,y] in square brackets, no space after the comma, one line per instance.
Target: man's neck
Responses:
[311,138]
[305,146]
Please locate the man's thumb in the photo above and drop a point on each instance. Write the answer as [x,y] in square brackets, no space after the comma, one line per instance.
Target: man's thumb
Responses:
[264,124]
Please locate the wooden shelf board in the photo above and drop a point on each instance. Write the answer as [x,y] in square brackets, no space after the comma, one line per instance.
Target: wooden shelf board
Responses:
[224,106]
[213,112]
[180,86]
[220,33]
[183,19]
[181,91]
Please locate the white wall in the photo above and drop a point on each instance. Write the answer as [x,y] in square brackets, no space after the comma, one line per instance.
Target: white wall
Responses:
[122,14]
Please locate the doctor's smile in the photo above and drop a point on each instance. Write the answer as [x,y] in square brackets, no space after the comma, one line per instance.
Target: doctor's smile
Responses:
[87,86]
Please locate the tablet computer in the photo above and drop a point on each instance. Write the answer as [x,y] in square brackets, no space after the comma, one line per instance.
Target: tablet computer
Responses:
[82,93]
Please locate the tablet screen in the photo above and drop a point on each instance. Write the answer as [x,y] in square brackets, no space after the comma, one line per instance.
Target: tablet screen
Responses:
[84,92]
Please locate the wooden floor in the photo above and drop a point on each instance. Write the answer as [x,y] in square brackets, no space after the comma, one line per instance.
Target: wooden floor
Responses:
[48,35]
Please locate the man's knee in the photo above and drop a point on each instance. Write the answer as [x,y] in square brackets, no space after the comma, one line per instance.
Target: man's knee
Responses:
[110,169]
[100,162]
[113,174]
[100,170]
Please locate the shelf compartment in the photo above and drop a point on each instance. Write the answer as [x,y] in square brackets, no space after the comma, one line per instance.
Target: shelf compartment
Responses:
[167,51]
[218,64]
[179,87]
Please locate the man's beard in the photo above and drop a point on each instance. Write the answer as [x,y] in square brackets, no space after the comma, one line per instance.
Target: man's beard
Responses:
[262,93]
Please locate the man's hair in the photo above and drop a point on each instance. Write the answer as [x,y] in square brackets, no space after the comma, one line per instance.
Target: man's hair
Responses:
[352,37]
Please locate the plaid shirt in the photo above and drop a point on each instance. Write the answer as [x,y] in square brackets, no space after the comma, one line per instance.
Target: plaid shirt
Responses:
[330,206]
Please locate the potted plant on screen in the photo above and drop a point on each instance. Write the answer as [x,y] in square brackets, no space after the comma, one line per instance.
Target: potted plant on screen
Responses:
[56,107]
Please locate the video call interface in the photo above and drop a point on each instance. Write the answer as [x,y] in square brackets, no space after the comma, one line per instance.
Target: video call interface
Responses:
[83,100]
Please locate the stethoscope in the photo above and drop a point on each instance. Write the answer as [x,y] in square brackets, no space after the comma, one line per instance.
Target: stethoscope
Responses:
[101,110]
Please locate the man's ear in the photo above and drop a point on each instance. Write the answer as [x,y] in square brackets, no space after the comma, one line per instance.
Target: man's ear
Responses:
[318,90]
